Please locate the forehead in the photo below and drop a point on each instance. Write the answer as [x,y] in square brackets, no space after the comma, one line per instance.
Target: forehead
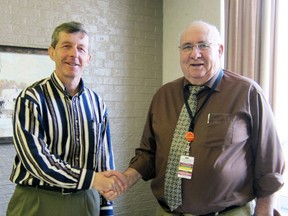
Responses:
[195,34]
[76,37]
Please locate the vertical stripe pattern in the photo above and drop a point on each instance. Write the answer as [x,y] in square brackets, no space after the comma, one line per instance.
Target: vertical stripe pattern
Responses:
[60,140]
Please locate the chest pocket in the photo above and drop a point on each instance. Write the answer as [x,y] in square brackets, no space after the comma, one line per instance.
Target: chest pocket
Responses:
[226,129]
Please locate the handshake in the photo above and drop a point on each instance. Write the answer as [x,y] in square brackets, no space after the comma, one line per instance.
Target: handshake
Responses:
[112,183]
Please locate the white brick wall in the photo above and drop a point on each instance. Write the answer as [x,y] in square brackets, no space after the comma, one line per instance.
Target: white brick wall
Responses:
[126,70]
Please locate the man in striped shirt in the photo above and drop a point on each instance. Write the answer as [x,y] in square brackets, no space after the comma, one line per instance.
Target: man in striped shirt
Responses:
[62,138]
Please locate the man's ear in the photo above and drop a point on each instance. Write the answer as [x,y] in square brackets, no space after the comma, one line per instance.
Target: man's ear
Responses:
[88,59]
[220,50]
[51,52]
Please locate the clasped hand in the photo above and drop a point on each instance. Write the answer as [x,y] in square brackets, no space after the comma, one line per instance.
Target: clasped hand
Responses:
[110,184]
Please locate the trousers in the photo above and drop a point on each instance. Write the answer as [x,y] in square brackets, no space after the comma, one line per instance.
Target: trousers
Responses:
[30,201]
[245,210]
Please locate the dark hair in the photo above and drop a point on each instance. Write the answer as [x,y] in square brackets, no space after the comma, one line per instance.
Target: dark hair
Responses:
[68,27]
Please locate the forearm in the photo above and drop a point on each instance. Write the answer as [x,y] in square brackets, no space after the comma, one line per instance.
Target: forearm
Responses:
[132,176]
[265,206]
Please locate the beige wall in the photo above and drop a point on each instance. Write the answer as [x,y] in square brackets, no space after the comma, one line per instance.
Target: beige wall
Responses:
[177,15]
[126,67]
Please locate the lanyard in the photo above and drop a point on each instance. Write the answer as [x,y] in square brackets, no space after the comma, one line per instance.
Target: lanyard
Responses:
[186,96]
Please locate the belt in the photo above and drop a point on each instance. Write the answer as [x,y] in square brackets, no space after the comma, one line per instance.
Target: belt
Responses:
[220,212]
[63,191]
[212,213]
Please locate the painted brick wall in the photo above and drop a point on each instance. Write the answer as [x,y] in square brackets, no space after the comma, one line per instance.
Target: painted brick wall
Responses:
[126,70]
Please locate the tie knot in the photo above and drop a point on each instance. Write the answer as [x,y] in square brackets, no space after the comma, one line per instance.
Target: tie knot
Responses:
[194,90]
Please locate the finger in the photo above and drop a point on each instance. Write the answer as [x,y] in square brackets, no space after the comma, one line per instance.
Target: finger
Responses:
[121,177]
[116,184]
[108,173]
[110,195]
[122,184]
[121,180]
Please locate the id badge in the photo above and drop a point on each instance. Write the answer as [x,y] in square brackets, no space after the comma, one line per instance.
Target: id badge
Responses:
[185,167]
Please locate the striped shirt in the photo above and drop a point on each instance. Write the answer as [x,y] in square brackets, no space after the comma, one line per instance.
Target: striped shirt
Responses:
[61,140]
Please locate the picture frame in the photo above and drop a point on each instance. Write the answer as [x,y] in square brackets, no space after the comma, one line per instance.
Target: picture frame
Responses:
[19,68]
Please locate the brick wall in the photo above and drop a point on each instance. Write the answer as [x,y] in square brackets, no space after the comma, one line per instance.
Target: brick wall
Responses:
[126,70]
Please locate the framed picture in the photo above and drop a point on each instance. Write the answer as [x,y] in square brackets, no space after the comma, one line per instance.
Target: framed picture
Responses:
[19,68]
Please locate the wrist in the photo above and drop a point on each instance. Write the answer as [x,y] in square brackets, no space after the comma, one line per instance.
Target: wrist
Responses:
[132,176]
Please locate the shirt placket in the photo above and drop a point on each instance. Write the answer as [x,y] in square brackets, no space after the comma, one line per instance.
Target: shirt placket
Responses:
[76,134]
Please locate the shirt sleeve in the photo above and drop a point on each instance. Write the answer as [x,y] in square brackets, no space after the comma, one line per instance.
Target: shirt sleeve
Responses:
[267,150]
[144,159]
[105,161]
[33,151]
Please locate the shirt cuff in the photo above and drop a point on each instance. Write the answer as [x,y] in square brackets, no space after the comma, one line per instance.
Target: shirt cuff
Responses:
[269,184]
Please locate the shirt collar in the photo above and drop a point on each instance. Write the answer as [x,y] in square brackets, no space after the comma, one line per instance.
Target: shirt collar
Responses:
[208,84]
[57,82]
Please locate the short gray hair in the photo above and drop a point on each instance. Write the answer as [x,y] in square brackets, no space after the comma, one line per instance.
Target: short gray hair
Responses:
[67,27]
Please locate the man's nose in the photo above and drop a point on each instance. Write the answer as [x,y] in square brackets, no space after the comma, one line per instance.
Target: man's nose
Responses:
[195,52]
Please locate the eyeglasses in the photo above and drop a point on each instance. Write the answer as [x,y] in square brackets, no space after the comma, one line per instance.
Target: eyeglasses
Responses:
[188,48]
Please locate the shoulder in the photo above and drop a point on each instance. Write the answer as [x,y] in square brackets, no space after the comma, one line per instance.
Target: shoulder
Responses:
[172,87]
[36,87]
[169,92]
[238,80]
[40,83]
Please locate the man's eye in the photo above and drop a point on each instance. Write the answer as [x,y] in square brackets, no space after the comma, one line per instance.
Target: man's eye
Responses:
[187,47]
[203,46]
[82,49]
[66,46]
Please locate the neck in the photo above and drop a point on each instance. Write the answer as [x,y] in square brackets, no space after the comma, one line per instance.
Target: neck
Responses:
[71,83]
[72,87]
[202,80]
